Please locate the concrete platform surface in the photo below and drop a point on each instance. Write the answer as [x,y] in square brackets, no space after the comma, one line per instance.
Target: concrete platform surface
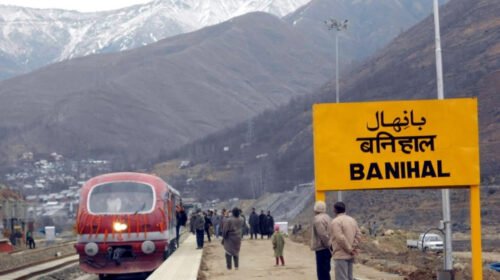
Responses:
[183,264]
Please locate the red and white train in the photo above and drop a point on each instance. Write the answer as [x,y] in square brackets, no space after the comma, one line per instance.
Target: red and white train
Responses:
[125,223]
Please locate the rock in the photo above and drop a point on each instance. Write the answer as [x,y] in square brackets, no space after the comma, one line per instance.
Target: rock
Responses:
[458,266]
[363,230]
[389,232]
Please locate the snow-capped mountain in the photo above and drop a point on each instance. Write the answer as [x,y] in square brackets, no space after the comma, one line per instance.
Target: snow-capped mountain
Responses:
[32,38]
[165,94]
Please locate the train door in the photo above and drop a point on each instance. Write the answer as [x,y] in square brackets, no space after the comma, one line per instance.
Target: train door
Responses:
[170,215]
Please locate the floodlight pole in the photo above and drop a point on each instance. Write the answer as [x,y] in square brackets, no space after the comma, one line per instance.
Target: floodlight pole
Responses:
[339,193]
[337,67]
[333,24]
[445,193]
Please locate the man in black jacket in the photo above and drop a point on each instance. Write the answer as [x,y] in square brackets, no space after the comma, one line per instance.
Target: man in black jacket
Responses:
[269,224]
[208,224]
[199,227]
[262,224]
[180,220]
[254,224]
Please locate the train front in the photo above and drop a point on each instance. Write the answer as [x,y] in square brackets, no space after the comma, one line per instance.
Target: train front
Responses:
[122,224]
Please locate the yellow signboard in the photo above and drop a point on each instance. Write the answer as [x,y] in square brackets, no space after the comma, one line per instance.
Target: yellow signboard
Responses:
[396,144]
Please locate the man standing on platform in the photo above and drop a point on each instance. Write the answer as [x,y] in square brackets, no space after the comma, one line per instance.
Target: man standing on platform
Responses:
[262,224]
[231,234]
[199,227]
[269,224]
[254,224]
[216,220]
[180,220]
[345,238]
[320,241]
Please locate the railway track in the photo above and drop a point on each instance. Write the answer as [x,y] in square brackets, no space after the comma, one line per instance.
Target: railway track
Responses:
[35,269]
[40,248]
[56,265]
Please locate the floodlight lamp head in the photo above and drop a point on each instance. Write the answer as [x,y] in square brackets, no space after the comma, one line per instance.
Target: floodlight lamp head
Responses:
[335,24]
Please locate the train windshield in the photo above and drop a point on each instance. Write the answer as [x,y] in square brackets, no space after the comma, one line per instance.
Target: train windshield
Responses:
[121,197]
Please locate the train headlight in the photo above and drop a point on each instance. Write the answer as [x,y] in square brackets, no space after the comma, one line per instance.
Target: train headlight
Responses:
[91,249]
[148,247]
[117,226]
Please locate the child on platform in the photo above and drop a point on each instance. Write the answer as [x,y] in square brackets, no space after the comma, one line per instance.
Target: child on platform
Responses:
[278,241]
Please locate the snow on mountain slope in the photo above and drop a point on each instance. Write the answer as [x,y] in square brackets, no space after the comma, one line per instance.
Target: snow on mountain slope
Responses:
[31,38]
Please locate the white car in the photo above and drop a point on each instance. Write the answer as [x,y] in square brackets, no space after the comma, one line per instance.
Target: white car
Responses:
[432,242]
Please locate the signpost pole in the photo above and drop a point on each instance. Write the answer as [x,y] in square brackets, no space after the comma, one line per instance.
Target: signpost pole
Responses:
[445,193]
[475,238]
[320,196]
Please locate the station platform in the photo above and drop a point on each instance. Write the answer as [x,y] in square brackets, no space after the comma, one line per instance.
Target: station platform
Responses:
[183,264]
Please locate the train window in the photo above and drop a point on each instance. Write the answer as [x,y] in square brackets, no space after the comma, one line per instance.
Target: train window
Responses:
[121,197]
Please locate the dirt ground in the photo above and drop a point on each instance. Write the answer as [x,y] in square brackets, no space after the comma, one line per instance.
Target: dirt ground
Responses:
[257,262]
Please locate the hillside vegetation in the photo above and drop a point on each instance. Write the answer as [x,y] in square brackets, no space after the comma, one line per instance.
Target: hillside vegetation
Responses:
[273,152]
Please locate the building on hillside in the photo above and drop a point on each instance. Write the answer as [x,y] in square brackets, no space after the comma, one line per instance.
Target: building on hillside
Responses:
[12,211]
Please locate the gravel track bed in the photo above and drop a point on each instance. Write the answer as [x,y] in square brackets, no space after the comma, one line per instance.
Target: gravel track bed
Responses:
[72,272]
[33,256]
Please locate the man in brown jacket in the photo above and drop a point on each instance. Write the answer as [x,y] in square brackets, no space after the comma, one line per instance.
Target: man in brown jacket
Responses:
[320,241]
[345,238]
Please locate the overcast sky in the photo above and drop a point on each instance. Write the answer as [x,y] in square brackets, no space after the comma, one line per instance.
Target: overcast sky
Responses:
[80,5]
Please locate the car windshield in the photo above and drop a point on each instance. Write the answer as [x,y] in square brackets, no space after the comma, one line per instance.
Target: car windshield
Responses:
[121,197]
[433,238]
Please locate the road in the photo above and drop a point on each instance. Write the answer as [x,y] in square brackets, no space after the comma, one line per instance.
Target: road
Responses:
[257,262]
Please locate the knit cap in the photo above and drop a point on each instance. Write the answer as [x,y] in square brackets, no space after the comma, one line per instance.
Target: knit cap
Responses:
[320,206]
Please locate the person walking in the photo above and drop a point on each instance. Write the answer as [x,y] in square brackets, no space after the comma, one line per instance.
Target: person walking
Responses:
[244,229]
[278,241]
[254,224]
[30,241]
[222,218]
[180,220]
[199,227]
[320,241]
[345,238]
[13,239]
[191,222]
[208,224]
[262,224]
[269,224]
[216,220]
[231,234]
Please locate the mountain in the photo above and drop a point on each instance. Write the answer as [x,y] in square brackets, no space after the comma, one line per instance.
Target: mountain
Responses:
[136,103]
[273,152]
[371,25]
[32,38]
[184,88]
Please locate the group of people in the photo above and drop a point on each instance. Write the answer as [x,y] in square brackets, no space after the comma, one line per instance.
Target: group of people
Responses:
[337,238]
[210,223]
[230,226]
[261,224]
[232,235]
[16,239]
